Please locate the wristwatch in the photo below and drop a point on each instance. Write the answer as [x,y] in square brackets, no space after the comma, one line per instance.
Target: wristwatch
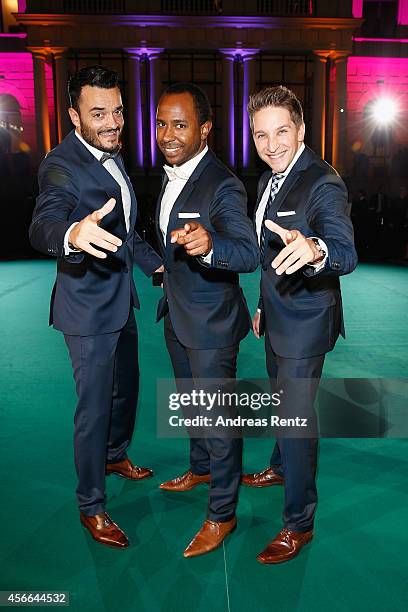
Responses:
[322,252]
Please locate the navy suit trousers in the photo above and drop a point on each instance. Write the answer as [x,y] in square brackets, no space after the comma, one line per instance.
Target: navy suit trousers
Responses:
[295,458]
[106,373]
[219,456]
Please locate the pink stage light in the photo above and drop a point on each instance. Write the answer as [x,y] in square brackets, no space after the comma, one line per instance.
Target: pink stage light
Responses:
[403,12]
[357,9]
[382,40]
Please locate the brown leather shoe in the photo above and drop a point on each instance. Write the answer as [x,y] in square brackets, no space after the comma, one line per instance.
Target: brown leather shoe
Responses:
[104,530]
[185,482]
[126,469]
[266,478]
[210,536]
[285,546]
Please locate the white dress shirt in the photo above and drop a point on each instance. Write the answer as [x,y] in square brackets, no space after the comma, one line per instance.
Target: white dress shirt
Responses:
[111,166]
[178,177]
[264,200]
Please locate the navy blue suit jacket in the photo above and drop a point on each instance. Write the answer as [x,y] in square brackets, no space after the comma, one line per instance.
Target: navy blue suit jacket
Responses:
[206,304]
[302,312]
[91,296]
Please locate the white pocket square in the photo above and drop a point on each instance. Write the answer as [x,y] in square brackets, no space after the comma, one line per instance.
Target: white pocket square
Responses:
[286,213]
[188,215]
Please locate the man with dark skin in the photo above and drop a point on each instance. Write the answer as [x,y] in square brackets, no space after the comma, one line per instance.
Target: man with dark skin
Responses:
[204,310]
[94,295]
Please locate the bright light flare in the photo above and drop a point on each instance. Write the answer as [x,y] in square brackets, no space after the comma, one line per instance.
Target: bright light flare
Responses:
[384,111]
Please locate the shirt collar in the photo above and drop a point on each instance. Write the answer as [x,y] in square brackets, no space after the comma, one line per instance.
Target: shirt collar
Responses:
[95,152]
[294,160]
[185,170]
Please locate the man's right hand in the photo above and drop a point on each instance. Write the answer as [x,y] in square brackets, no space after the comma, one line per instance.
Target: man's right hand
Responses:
[87,231]
[255,324]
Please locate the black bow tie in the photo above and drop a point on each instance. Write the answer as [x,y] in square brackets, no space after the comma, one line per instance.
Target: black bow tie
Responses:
[107,156]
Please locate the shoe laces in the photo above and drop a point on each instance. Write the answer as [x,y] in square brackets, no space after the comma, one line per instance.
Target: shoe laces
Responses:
[286,535]
[213,524]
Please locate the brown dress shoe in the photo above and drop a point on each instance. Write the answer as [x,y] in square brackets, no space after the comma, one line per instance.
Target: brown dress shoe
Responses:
[266,478]
[126,469]
[185,482]
[104,530]
[285,546]
[210,536]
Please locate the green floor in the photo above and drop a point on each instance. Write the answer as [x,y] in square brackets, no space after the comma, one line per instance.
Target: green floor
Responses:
[358,559]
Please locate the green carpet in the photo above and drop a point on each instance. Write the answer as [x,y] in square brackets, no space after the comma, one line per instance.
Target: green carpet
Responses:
[357,560]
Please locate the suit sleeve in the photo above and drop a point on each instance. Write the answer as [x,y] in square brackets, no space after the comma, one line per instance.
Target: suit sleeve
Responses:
[233,241]
[144,256]
[326,213]
[58,197]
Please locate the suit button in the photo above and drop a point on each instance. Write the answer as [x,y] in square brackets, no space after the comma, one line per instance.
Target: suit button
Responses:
[336,265]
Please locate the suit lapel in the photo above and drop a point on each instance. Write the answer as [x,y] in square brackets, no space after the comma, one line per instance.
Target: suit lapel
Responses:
[108,184]
[101,175]
[157,213]
[291,180]
[178,205]
[182,199]
[133,205]
[288,184]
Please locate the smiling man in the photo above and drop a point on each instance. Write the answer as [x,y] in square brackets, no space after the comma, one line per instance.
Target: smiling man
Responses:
[94,295]
[306,243]
[206,240]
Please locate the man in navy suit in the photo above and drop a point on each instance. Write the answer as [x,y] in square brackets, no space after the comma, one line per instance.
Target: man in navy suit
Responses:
[206,240]
[94,295]
[306,243]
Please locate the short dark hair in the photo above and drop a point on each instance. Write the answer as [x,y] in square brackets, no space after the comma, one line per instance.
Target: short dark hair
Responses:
[275,96]
[95,76]
[200,98]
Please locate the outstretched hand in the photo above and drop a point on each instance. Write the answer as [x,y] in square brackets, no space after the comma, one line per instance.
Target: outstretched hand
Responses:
[298,250]
[194,237]
[88,231]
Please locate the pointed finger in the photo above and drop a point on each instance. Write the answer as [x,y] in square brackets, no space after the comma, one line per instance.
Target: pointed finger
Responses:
[99,214]
[176,234]
[285,235]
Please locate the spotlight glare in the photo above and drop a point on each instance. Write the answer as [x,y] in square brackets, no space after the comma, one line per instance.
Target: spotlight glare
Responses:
[384,111]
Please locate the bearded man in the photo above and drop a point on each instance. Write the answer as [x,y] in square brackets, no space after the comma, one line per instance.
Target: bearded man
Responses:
[85,216]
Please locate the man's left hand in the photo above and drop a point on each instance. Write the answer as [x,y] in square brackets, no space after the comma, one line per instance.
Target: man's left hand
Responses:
[194,237]
[298,251]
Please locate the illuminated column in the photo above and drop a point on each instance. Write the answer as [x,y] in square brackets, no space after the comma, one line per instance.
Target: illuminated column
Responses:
[248,88]
[61,92]
[357,9]
[228,107]
[41,104]
[319,102]
[155,91]
[403,12]
[339,113]
[134,109]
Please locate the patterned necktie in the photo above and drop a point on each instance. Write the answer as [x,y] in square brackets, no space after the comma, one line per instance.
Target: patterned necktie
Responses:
[276,178]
